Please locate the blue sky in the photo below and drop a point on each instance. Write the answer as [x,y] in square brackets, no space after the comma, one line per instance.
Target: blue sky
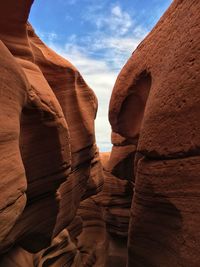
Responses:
[97,37]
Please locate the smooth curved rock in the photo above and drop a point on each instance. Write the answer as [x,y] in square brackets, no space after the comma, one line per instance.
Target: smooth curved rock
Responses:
[93,241]
[78,102]
[115,199]
[17,257]
[43,136]
[61,162]
[13,179]
[79,105]
[157,98]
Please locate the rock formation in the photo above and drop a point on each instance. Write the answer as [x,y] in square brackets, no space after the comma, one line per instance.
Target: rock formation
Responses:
[156,104]
[58,206]
[115,199]
[49,159]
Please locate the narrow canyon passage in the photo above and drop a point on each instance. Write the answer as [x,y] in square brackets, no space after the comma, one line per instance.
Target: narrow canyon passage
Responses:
[65,204]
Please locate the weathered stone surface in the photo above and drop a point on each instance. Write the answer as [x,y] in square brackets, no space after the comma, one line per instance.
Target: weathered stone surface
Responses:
[115,199]
[121,162]
[165,211]
[167,61]
[51,202]
[17,257]
[79,106]
[54,165]
[93,241]
[156,99]
[43,136]
[78,102]
[117,252]
[13,179]
[62,252]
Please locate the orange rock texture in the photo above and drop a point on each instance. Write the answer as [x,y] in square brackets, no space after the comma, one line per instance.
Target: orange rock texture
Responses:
[49,162]
[115,199]
[63,204]
[156,105]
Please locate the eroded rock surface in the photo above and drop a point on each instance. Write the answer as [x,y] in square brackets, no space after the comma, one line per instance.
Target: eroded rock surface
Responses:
[49,159]
[58,206]
[116,197]
[156,100]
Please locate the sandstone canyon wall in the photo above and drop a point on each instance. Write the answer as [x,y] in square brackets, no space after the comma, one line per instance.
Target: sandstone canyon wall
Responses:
[49,160]
[156,104]
[58,205]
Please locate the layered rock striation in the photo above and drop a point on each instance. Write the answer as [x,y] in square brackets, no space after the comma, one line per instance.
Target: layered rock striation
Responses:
[156,101]
[58,205]
[49,161]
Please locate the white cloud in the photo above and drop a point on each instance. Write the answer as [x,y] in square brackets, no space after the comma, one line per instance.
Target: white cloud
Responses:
[48,36]
[100,77]
[100,55]
[116,21]
[115,37]
[120,21]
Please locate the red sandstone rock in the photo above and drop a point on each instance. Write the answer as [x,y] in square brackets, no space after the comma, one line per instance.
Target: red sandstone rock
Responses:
[79,106]
[115,199]
[17,257]
[49,162]
[121,162]
[157,98]
[93,242]
[13,180]
[61,171]
[42,136]
[78,102]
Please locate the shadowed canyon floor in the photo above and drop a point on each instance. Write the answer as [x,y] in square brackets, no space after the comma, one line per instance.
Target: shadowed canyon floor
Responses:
[64,204]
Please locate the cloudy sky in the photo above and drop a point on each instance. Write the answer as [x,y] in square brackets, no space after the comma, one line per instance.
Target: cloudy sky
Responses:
[97,36]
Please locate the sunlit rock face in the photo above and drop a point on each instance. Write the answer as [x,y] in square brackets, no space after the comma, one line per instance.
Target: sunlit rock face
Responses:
[58,206]
[155,104]
[35,136]
[79,106]
[49,162]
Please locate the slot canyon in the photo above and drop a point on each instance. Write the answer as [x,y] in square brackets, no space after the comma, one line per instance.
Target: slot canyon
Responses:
[63,203]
